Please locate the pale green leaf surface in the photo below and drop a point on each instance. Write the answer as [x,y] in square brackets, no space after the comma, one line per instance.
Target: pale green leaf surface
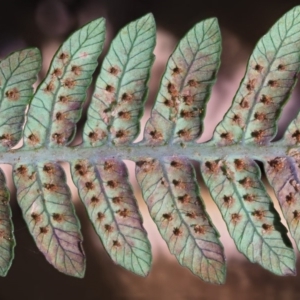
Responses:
[248,211]
[7,239]
[57,103]
[112,208]
[185,87]
[45,200]
[172,195]
[121,88]
[270,77]
[18,72]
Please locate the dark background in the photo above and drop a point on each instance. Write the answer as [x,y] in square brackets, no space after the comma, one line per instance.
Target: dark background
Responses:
[47,23]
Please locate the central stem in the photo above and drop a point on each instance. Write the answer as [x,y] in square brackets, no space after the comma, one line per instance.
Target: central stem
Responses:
[135,152]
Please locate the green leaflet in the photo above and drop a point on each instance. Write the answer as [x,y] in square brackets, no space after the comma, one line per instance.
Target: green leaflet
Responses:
[270,77]
[172,195]
[7,239]
[18,72]
[112,208]
[44,198]
[248,211]
[57,103]
[283,173]
[185,87]
[284,176]
[121,87]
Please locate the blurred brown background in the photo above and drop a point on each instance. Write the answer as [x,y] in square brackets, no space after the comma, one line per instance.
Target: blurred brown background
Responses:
[47,23]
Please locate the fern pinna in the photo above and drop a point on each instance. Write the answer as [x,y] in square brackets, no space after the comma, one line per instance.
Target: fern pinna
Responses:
[163,158]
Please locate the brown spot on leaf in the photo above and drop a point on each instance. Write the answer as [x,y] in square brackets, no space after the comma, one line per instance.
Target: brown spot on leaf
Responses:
[95,200]
[112,184]
[236,119]
[176,71]
[191,214]
[290,199]
[295,185]
[123,213]
[188,100]
[281,67]
[228,200]
[184,134]
[69,83]
[296,136]
[273,83]
[244,103]
[48,168]
[64,99]
[266,100]
[57,72]
[100,216]
[239,164]
[22,170]
[267,228]
[49,87]
[156,135]
[251,85]
[6,139]
[179,184]
[177,231]
[36,217]
[89,185]
[257,135]
[296,215]
[258,68]
[249,197]
[258,214]
[81,169]
[108,165]
[127,97]
[246,182]
[167,217]
[50,187]
[58,217]
[187,114]
[227,136]
[108,228]
[93,136]
[276,163]
[172,90]
[176,164]
[121,134]
[235,218]
[146,166]
[117,200]
[125,115]
[114,71]
[76,70]
[59,116]
[260,116]
[116,243]
[58,138]
[192,83]
[63,56]
[44,230]
[184,199]
[212,166]
[169,103]
[13,94]
[110,88]
[199,229]
[33,138]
